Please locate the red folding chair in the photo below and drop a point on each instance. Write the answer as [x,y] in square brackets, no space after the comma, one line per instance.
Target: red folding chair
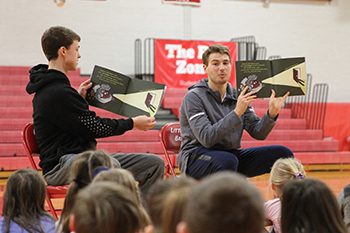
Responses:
[170,139]
[31,147]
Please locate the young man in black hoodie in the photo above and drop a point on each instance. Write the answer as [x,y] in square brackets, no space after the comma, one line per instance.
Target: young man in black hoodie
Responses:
[64,125]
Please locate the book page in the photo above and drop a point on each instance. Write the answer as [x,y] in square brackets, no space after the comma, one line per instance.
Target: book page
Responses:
[106,83]
[143,97]
[288,74]
[252,74]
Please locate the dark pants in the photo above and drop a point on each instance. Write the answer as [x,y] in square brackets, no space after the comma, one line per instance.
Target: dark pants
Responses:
[249,162]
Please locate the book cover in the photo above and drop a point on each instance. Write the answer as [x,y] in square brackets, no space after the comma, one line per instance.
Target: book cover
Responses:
[120,94]
[281,75]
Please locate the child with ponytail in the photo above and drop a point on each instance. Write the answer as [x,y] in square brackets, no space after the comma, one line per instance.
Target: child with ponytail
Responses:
[82,172]
[283,170]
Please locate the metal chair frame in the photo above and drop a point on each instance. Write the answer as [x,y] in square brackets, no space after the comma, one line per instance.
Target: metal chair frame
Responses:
[31,147]
[170,139]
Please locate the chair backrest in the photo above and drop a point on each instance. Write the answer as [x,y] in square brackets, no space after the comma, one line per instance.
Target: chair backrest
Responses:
[170,136]
[31,147]
[30,144]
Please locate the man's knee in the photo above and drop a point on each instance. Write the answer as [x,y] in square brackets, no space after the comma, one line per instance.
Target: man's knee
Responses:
[228,164]
[157,160]
[284,151]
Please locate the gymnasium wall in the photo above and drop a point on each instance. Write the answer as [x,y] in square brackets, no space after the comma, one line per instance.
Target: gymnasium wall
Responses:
[318,30]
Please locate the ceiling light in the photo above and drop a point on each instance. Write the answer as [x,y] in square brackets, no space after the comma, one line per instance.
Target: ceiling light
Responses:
[60,2]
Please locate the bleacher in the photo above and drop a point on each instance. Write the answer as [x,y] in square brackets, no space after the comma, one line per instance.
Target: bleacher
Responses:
[308,145]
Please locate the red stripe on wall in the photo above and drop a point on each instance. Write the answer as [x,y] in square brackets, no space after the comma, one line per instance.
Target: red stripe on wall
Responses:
[337,123]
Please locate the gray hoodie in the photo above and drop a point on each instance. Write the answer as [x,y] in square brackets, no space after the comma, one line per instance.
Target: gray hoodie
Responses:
[207,120]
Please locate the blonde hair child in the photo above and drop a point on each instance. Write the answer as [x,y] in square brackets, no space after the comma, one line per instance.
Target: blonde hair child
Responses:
[283,170]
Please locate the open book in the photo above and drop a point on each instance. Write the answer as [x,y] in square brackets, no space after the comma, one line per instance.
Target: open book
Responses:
[120,94]
[281,75]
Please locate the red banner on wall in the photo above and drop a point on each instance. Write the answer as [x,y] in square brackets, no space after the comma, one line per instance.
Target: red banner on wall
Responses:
[178,63]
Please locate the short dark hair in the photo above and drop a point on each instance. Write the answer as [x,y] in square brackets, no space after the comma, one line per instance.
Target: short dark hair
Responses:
[224,202]
[216,48]
[56,37]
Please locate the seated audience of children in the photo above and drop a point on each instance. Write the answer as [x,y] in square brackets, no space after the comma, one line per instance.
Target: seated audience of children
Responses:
[104,199]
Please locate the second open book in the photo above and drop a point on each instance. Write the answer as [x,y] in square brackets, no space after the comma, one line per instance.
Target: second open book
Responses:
[281,75]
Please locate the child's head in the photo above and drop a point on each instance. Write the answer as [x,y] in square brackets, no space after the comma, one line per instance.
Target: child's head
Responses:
[284,170]
[106,207]
[82,172]
[166,201]
[84,167]
[56,37]
[24,198]
[122,177]
[25,192]
[309,205]
[223,202]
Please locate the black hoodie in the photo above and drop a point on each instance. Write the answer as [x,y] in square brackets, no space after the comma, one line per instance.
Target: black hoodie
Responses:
[62,120]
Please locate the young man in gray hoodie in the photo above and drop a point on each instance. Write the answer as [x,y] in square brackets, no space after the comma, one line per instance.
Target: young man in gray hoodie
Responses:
[212,120]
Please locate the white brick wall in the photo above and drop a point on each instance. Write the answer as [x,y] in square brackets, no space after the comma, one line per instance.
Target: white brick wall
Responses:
[318,30]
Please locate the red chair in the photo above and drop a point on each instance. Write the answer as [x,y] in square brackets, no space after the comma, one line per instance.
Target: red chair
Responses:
[170,139]
[31,147]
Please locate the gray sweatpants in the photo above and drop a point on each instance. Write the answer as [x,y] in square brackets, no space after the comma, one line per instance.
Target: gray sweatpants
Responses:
[146,168]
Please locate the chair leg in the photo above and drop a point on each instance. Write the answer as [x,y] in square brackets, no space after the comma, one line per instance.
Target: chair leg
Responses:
[167,174]
[51,207]
[169,171]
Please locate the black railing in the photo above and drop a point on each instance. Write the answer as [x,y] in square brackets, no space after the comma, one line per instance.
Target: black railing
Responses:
[138,58]
[318,106]
[148,59]
[144,66]
[248,49]
[247,39]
